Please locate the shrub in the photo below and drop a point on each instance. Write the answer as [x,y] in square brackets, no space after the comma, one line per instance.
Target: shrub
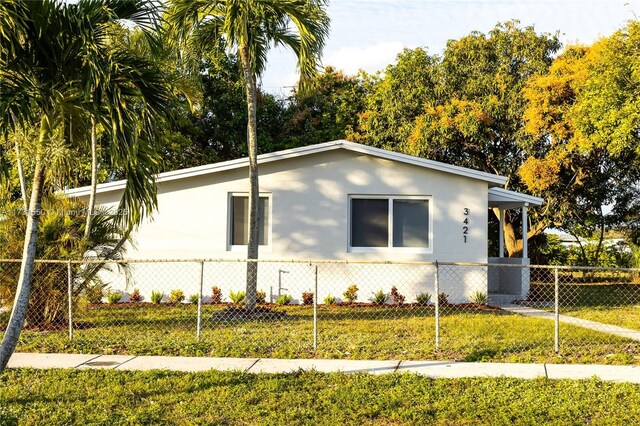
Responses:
[237,297]
[176,296]
[94,293]
[351,294]
[396,298]
[380,297]
[194,298]
[307,298]
[216,295]
[114,297]
[443,299]
[156,297]
[136,296]
[261,297]
[479,297]
[329,300]
[60,236]
[283,299]
[423,299]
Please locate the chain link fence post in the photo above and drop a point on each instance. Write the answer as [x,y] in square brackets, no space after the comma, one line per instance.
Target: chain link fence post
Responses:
[199,323]
[437,305]
[556,311]
[70,298]
[315,311]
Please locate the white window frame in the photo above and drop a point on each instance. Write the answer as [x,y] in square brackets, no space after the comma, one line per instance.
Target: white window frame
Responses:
[390,248]
[236,247]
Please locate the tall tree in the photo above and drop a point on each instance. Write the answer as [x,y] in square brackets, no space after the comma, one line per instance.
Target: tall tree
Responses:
[464,108]
[583,113]
[46,50]
[249,28]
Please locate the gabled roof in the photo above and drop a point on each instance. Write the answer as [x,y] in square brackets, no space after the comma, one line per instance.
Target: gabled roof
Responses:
[491,179]
[500,197]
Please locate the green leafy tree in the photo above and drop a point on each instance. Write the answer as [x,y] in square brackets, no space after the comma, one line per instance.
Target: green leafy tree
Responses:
[60,236]
[327,111]
[249,28]
[464,108]
[47,51]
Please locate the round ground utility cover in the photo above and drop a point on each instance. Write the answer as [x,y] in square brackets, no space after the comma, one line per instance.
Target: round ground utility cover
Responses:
[101,363]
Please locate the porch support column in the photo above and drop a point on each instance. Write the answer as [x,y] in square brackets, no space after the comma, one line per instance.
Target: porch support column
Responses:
[501,233]
[525,230]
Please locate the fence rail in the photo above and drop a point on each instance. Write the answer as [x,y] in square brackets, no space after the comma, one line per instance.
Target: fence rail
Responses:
[322,308]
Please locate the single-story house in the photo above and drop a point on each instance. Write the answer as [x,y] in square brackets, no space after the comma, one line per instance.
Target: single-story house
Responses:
[332,201]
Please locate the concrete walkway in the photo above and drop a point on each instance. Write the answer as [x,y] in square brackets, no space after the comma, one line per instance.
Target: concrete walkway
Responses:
[614,330]
[434,369]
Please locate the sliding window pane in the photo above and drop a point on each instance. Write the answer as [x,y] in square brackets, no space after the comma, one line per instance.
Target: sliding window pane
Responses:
[411,223]
[369,222]
[263,221]
[240,215]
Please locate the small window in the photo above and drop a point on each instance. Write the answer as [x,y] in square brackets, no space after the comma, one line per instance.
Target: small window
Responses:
[389,222]
[240,220]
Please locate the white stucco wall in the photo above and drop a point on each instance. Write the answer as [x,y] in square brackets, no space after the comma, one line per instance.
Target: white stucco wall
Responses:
[309,212]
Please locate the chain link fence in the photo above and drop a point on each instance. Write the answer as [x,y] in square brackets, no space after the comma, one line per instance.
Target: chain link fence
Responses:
[331,309]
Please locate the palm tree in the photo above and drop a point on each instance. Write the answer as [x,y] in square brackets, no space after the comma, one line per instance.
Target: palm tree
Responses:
[249,28]
[49,51]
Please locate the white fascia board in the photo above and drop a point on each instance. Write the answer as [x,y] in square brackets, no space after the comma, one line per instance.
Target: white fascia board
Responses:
[492,179]
[504,195]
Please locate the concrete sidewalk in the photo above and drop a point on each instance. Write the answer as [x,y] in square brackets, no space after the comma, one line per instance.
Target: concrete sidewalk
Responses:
[434,369]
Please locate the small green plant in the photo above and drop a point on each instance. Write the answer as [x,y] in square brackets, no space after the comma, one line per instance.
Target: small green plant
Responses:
[351,294]
[94,294]
[283,299]
[237,297]
[307,298]
[176,296]
[114,297]
[380,297]
[329,300]
[136,296]
[261,297]
[443,299]
[194,298]
[396,298]
[479,297]
[423,299]
[216,295]
[156,297]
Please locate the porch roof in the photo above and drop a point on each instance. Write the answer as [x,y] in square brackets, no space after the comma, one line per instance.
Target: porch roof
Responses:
[503,198]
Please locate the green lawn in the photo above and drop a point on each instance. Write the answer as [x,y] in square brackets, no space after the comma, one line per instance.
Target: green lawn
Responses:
[121,398]
[344,332]
[626,316]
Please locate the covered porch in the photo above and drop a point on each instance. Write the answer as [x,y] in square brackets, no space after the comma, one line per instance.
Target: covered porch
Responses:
[506,283]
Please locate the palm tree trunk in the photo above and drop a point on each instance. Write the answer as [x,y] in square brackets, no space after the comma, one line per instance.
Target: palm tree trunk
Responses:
[23,187]
[21,302]
[94,179]
[254,190]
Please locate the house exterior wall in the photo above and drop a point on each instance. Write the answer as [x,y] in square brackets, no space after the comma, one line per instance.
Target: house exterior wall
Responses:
[310,219]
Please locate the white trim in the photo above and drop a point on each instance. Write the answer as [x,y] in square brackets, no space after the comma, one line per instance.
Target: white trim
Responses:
[501,196]
[390,248]
[231,247]
[492,179]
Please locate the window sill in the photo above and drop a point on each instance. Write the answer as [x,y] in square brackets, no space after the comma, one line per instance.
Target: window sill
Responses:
[419,250]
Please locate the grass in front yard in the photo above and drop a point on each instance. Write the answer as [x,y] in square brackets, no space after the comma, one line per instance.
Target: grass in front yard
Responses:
[622,316]
[344,332]
[306,398]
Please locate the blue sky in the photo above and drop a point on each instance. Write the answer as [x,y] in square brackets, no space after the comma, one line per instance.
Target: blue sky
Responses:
[368,34]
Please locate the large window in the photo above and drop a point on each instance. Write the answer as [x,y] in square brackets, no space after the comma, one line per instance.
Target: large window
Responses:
[389,222]
[239,223]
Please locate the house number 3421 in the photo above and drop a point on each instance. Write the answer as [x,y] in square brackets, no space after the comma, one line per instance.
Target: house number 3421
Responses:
[465,226]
